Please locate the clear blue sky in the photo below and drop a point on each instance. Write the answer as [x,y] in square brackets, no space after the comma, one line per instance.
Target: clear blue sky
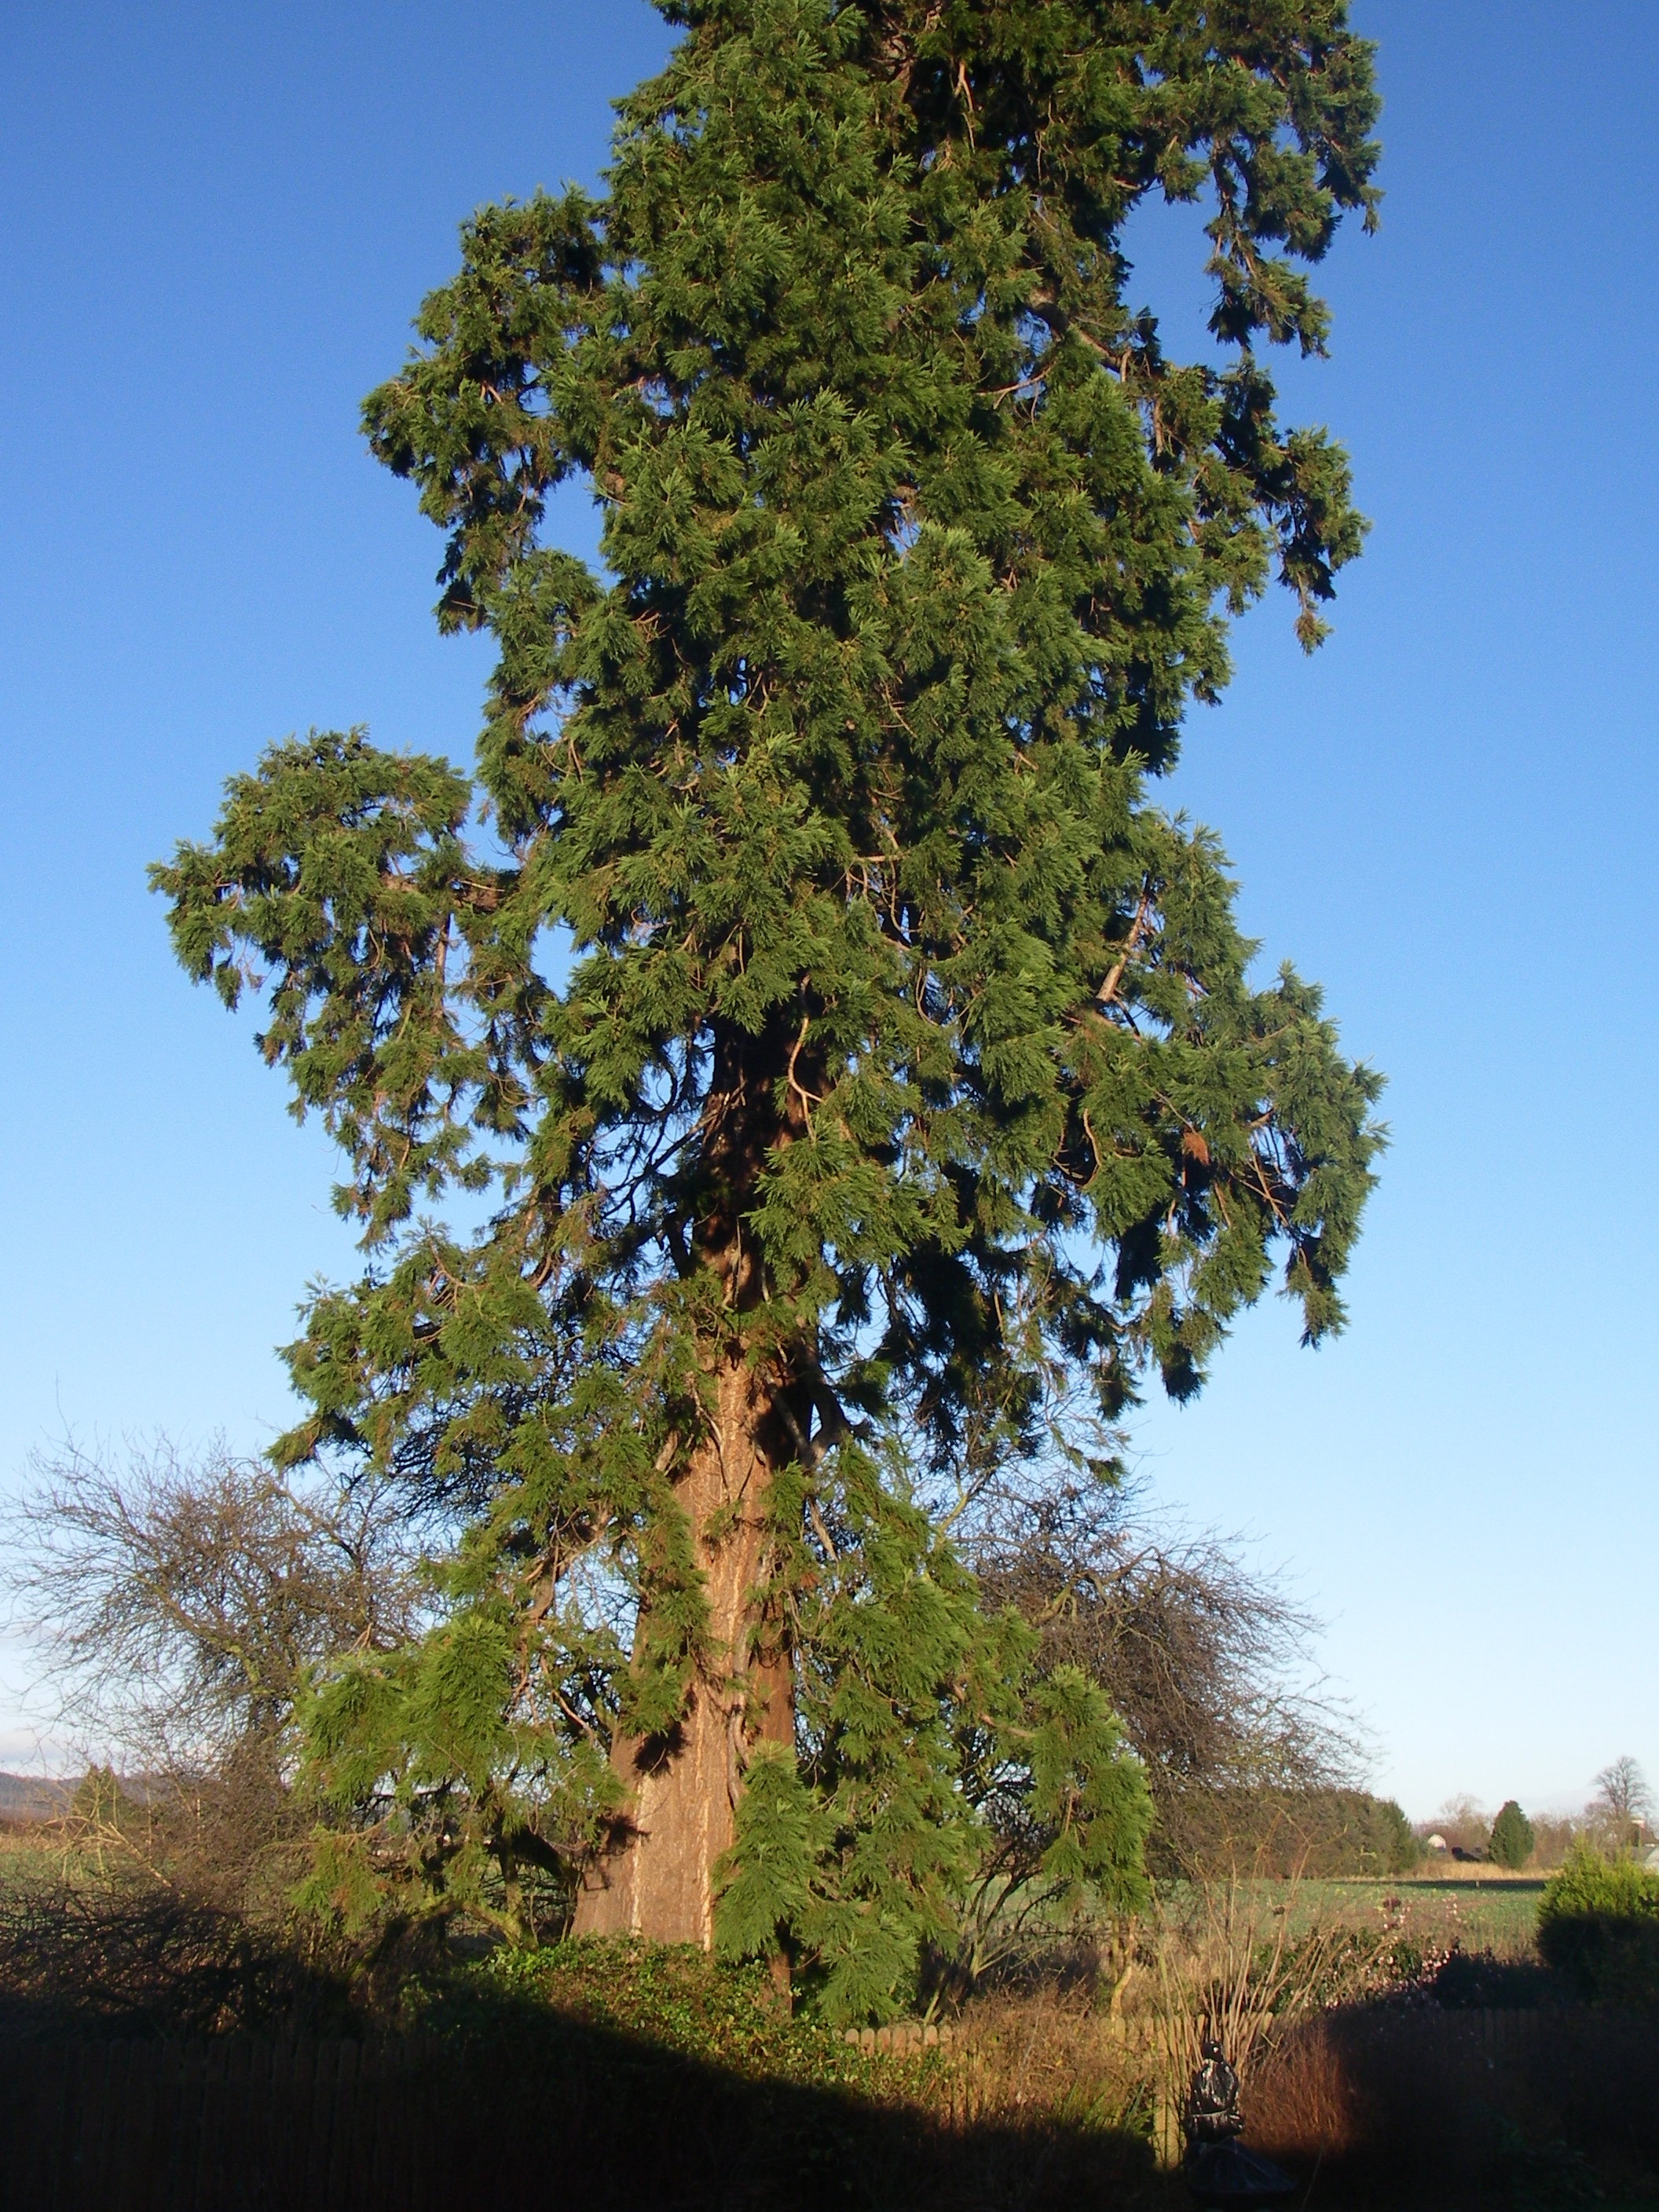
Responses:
[218,223]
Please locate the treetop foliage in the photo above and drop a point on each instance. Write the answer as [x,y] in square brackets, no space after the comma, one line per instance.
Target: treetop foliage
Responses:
[829,996]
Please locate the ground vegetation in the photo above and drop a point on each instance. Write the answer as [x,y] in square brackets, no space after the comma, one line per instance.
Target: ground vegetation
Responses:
[1598,1924]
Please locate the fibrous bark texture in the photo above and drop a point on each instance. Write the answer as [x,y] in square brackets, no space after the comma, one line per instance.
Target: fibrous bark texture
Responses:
[655,1878]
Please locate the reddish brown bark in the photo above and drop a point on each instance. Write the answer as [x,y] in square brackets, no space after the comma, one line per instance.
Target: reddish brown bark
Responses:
[655,1879]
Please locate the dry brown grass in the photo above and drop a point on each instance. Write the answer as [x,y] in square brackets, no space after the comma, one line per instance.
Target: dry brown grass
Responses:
[1227,1966]
[1050,2052]
[1305,2105]
[1481,1872]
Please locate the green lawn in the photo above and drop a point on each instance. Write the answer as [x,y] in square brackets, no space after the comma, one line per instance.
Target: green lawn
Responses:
[1493,1915]
[27,1859]
[1499,1916]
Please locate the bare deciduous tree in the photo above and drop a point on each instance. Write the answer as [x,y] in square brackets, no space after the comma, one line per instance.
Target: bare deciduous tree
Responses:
[1623,1801]
[1207,1663]
[175,1607]
[1466,1825]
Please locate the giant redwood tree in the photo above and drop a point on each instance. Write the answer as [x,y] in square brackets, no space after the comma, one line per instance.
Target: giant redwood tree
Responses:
[827,1070]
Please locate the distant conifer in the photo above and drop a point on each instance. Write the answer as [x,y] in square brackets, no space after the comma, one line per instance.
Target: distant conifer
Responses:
[1511,1837]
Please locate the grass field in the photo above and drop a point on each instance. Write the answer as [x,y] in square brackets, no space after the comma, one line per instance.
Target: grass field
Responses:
[1476,1911]
[1499,1914]
[29,1854]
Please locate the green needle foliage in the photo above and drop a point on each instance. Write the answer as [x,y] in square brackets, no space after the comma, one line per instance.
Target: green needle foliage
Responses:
[845,1063]
[1513,1837]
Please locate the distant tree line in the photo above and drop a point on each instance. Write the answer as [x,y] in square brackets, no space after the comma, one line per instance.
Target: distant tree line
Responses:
[1616,1823]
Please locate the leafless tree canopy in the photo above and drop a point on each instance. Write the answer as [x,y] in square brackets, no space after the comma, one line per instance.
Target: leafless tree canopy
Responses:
[1206,1663]
[1622,1790]
[1464,1824]
[175,1607]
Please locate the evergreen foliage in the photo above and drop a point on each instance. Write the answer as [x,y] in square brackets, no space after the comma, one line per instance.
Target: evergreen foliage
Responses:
[1339,1831]
[1392,1846]
[1513,1837]
[1598,1923]
[847,1060]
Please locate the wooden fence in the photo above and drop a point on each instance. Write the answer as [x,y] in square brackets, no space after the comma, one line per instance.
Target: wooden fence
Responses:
[169,2127]
[323,2126]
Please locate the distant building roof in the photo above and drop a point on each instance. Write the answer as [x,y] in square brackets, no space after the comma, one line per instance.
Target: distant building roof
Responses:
[1435,1842]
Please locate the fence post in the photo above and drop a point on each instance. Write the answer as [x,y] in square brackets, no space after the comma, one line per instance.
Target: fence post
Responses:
[1166,2129]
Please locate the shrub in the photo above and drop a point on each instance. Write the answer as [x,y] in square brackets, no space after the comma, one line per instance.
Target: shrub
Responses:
[1598,1924]
[1511,1837]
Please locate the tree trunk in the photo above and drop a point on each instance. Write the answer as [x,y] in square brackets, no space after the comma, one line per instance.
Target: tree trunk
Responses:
[654,1878]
